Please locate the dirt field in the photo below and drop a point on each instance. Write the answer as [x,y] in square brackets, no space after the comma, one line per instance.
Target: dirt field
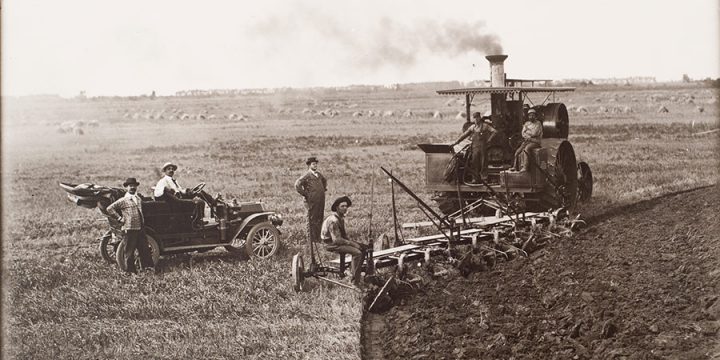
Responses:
[641,282]
[60,300]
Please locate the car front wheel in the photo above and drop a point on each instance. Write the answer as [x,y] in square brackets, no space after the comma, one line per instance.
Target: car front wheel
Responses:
[263,240]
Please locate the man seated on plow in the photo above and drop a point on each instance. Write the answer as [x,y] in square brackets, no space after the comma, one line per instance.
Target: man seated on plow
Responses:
[335,237]
[532,132]
[168,189]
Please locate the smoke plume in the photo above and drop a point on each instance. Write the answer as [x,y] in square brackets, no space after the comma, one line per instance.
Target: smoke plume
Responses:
[383,41]
[394,43]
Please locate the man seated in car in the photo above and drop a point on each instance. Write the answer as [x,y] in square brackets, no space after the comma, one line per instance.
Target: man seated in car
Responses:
[168,189]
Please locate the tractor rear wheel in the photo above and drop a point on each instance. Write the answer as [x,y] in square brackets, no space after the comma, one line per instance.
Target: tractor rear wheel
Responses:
[562,184]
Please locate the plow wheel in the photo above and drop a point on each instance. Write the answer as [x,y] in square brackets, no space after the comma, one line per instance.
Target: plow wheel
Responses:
[585,181]
[562,187]
[298,272]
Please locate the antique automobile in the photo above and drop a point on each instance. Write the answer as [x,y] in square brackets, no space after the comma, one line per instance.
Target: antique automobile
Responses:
[175,226]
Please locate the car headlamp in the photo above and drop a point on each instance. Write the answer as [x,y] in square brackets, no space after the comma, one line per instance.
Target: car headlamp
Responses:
[276,219]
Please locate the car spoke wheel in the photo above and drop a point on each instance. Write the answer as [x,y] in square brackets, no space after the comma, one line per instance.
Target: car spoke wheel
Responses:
[108,247]
[263,240]
[298,272]
[154,253]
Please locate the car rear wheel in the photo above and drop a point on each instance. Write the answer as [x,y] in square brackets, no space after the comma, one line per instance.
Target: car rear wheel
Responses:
[108,246]
[154,252]
[262,241]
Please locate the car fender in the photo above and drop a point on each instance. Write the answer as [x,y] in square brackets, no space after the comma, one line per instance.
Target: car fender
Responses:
[250,218]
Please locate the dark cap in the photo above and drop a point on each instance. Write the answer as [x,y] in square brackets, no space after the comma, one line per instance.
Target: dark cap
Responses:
[131,181]
[340,200]
[311,160]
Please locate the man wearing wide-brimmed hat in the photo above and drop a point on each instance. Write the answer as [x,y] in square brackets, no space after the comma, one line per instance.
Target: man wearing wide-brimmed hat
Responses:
[128,211]
[168,186]
[168,189]
[335,237]
[312,187]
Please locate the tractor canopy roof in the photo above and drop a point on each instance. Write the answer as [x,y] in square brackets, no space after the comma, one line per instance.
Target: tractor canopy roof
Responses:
[505,90]
[513,86]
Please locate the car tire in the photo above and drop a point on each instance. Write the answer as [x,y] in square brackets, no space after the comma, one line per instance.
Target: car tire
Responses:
[262,241]
[154,251]
[109,246]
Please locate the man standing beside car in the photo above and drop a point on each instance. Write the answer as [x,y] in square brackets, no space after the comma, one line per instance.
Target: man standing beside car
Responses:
[128,211]
[312,187]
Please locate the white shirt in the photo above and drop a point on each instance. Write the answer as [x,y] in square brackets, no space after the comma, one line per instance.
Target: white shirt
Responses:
[166,182]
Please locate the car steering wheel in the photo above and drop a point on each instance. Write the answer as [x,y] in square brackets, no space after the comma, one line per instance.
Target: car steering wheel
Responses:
[196,190]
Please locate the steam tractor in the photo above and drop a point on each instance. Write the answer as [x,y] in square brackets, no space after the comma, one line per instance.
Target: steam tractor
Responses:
[555,178]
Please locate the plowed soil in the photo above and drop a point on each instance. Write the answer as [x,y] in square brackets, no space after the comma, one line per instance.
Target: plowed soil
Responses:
[640,282]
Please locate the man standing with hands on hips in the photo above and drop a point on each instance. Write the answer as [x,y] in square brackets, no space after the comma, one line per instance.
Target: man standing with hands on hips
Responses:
[128,211]
[312,187]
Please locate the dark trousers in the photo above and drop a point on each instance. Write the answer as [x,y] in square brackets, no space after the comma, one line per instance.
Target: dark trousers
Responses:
[316,212]
[353,248]
[478,161]
[522,155]
[135,239]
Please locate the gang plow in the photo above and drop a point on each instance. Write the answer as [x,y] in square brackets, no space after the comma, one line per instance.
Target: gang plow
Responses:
[462,242]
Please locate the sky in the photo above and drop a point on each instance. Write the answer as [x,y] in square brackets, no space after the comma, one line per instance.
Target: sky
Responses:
[133,47]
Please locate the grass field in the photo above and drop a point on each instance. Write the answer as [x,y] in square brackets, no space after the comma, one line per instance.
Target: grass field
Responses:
[61,300]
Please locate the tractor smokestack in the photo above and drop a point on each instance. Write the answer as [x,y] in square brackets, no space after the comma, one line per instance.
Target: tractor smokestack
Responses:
[497,70]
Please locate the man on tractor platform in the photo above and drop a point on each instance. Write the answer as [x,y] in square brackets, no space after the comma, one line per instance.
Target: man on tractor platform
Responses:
[128,211]
[480,133]
[312,187]
[532,132]
[335,237]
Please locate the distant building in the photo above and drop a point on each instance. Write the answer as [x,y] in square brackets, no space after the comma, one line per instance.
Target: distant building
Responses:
[633,80]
